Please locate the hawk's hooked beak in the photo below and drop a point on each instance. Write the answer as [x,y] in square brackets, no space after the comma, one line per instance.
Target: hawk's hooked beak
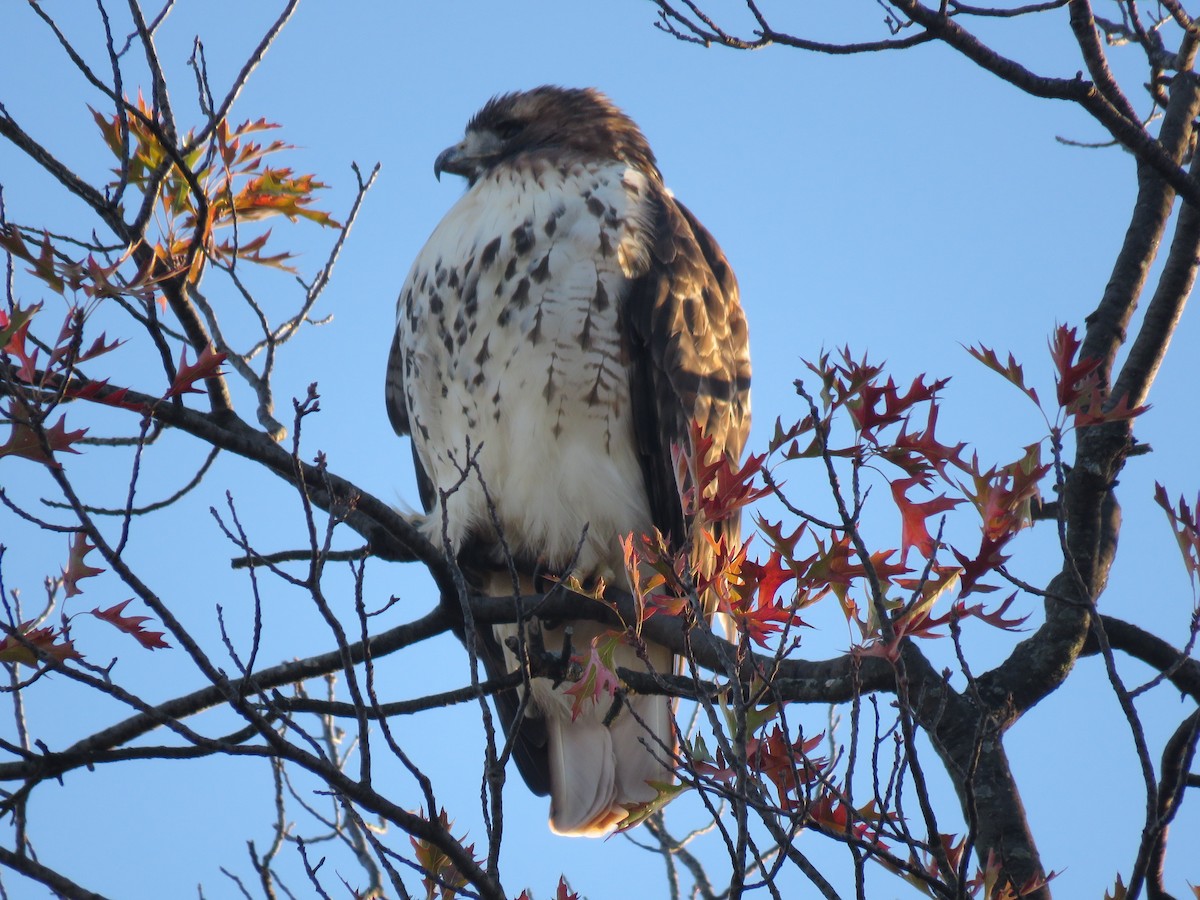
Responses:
[453,161]
[469,157]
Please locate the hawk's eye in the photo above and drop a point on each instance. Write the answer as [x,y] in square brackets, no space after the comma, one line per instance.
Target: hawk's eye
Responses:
[507,129]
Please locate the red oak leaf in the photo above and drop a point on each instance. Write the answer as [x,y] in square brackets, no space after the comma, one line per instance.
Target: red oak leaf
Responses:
[1184,527]
[913,516]
[918,620]
[723,489]
[13,336]
[988,560]
[98,348]
[653,573]
[23,440]
[731,489]
[599,677]
[14,649]
[755,609]
[131,625]
[787,765]
[918,452]
[1068,374]
[829,812]
[868,418]
[1004,496]
[995,618]
[100,392]
[784,544]
[832,570]
[1011,372]
[1080,390]
[207,365]
[77,569]
[766,578]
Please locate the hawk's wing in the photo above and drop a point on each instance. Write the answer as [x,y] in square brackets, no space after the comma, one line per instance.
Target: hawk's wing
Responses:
[397,409]
[690,357]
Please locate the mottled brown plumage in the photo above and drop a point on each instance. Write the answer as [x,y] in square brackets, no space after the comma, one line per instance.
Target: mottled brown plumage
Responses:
[566,323]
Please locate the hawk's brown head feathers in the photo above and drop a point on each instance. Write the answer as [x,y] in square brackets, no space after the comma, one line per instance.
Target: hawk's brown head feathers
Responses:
[567,122]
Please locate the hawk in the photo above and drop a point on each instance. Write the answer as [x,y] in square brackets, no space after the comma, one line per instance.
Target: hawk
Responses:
[567,328]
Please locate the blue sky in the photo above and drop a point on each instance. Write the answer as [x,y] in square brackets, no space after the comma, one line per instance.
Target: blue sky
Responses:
[902,204]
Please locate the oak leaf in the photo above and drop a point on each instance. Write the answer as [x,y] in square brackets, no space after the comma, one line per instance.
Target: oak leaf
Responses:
[131,625]
[24,646]
[77,569]
[207,365]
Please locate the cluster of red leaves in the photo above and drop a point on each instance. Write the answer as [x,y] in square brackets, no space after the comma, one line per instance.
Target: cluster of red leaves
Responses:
[442,880]
[787,765]
[64,274]
[885,421]
[989,881]
[803,784]
[751,592]
[1081,395]
[78,569]
[39,383]
[33,378]
[894,434]
[31,645]
[743,590]
[715,487]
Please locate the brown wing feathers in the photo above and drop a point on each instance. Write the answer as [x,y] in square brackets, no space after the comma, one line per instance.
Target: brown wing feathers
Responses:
[689,360]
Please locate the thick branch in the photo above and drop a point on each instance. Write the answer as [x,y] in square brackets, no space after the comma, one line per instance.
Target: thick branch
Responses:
[1170,297]
[1182,672]
[1092,517]
[63,175]
[60,884]
[1128,132]
[1083,23]
[1108,323]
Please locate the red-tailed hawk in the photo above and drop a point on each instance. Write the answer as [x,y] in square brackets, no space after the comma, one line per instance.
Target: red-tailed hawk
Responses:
[564,327]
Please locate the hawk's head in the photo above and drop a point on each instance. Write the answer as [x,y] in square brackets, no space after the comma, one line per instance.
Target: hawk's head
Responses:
[567,122]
